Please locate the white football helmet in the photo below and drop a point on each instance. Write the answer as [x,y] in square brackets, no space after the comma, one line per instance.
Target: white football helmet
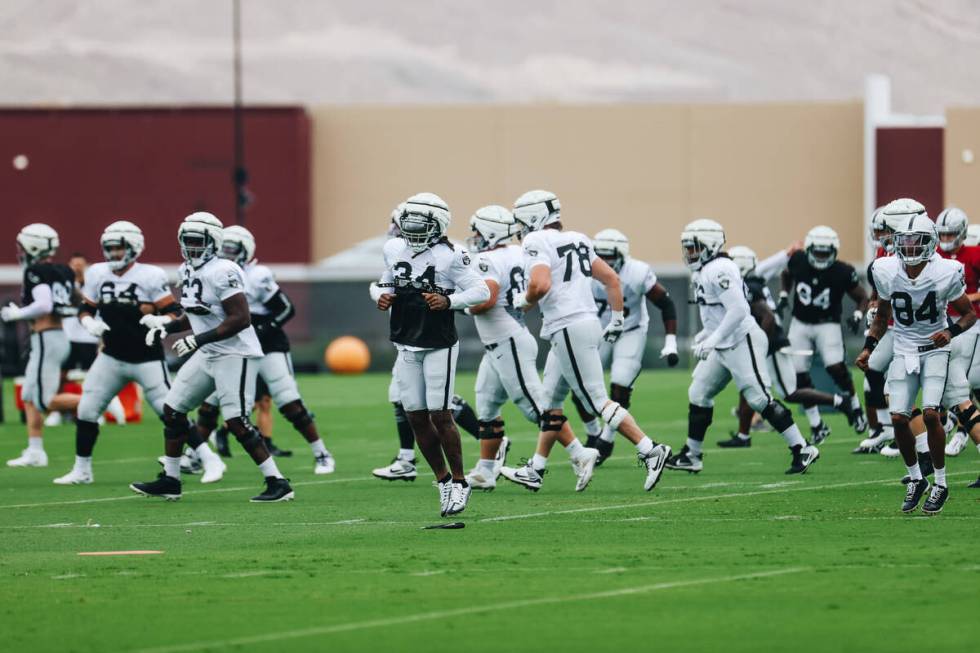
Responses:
[701,241]
[237,244]
[952,222]
[821,246]
[200,236]
[972,235]
[537,208]
[880,233]
[393,230]
[423,221]
[899,213]
[491,226]
[35,242]
[916,241]
[125,234]
[612,246]
[744,258]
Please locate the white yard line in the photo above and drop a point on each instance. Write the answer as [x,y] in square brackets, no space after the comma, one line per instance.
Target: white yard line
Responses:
[461,612]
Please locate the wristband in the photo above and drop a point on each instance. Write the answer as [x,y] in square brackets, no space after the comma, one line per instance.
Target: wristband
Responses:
[207,337]
[173,326]
[870,343]
[955,329]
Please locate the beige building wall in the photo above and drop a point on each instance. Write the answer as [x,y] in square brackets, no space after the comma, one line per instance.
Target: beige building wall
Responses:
[961,160]
[768,172]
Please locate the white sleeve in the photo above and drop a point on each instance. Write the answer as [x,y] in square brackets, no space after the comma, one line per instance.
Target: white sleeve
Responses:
[487,269]
[387,278]
[159,288]
[881,283]
[471,289]
[42,305]
[89,291]
[956,287]
[265,285]
[375,291]
[770,267]
[229,282]
[535,252]
[649,281]
[732,297]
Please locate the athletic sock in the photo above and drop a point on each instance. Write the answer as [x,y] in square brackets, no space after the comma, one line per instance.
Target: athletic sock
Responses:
[574,449]
[83,463]
[319,449]
[694,447]
[922,442]
[592,427]
[538,462]
[406,454]
[35,443]
[855,402]
[204,452]
[939,475]
[171,466]
[884,417]
[914,472]
[793,437]
[268,468]
[744,437]
[645,446]
[978,447]
[607,435]
[838,401]
[484,465]
[813,416]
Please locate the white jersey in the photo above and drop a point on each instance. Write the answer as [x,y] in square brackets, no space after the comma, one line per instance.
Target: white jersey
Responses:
[918,305]
[569,256]
[637,279]
[260,286]
[504,266]
[76,332]
[201,292]
[718,287]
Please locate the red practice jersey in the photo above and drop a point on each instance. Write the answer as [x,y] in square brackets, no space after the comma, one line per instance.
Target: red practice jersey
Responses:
[969,256]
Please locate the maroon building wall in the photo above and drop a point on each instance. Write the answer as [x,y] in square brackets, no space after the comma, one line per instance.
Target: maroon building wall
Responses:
[909,163]
[87,168]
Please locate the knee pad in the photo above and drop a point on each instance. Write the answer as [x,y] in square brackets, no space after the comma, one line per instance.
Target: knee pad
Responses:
[491,430]
[777,415]
[552,422]
[245,432]
[699,418]
[621,395]
[613,414]
[876,389]
[916,412]
[207,417]
[400,415]
[175,425]
[297,415]
[803,380]
[967,418]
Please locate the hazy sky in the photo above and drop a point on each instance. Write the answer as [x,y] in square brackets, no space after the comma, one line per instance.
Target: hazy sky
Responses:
[429,51]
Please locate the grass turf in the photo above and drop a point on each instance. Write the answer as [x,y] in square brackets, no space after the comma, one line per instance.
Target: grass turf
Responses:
[737,558]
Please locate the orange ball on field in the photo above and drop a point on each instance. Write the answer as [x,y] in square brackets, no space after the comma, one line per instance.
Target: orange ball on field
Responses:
[347,355]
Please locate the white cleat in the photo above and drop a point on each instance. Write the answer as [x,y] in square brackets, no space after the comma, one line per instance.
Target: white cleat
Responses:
[479,480]
[891,451]
[501,458]
[324,464]
[30,458]
[53,419]
[584,466]
[957,443]
[75,477]
[524,475]
[459,497]
[214,469]
[445,494]
[118,412]
[398,470]
[655,462]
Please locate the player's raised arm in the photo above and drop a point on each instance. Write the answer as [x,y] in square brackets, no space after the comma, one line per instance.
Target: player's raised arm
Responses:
[42,304]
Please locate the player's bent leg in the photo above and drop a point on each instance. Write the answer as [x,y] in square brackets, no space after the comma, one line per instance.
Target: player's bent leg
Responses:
[167,485]
[709,378]
[302,420]
[402,467]
[742,438]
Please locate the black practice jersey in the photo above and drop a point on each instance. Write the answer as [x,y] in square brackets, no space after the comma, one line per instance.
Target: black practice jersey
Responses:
[818,294]
[61,280]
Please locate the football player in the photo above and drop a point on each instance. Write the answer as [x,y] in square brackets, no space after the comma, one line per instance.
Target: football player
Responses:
[425,277]
[624,358]
[223,352]
[47,296]
[116,295]
[915,287]
[779,354]
[508,369]
[402,466]
[819,282]
[729,346]
[271,309]
[560,266]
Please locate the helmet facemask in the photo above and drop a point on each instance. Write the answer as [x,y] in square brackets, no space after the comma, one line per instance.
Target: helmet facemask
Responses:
[233,250]
[950,240]
[694,252]
[110,251]
[821,256]
[914,247]
[613,257]
[197,247]
[419,231]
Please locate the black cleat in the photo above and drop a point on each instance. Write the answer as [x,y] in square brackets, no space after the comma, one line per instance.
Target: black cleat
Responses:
[819,433]
[605,450]
[803,457]
[913,494]
[735,442]
[855,416]
[975,484]
[276,489]
[221,442]
[274,450]
[685,461]
[925,465]
[937,499]
[165,487]
[590,441]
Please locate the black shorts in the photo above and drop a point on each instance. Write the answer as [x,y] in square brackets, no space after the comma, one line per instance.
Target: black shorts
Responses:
[81,356]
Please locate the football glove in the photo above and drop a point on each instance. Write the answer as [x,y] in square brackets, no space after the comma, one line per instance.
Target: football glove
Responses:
[670,349]
[156,328]
[854,322]
[94,326]
[185,345]
[704,348]
[615,327]
[10,312]
[519,301]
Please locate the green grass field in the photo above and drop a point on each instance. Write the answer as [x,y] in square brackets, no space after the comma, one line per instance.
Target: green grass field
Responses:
[737,558]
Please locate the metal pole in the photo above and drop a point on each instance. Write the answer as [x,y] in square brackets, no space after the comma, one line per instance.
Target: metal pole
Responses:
[240,175]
